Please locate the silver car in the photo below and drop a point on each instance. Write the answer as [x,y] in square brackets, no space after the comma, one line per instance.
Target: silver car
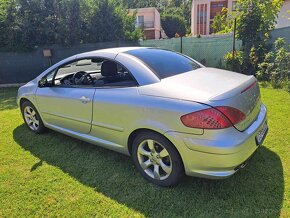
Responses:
[174,116]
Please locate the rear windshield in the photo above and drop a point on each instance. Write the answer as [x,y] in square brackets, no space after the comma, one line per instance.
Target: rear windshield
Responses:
[164,63]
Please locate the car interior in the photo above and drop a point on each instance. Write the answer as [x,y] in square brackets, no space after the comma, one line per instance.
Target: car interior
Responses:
[93,72]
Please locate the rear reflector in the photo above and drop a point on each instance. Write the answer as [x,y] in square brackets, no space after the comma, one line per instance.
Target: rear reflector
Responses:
[213,118]
[250,86]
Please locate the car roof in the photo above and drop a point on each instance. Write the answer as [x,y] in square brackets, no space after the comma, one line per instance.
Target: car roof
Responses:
[113,51]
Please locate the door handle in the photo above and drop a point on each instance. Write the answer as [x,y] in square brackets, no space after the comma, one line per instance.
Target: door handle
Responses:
[85,100]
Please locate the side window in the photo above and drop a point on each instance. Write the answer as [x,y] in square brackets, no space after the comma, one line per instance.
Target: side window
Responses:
[47,81]
[80,73]
[93,72]
[114,75]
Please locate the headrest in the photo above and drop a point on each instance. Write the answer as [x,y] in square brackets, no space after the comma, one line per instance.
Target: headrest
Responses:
[109,69]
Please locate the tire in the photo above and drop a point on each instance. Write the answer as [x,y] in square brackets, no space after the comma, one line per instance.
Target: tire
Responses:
[157,159]
[31,118]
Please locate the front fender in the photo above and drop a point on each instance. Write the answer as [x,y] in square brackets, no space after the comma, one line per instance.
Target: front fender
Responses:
[27,91]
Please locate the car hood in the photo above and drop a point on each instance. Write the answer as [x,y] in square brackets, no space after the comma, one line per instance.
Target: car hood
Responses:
[202,85]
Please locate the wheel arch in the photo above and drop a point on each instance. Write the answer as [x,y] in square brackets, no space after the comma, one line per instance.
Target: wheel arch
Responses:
[133,135]
[22,100]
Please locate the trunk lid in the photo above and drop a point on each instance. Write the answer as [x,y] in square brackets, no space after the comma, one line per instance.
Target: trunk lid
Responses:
[213,87]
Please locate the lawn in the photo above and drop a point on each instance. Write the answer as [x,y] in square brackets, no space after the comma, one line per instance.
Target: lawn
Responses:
[55,175]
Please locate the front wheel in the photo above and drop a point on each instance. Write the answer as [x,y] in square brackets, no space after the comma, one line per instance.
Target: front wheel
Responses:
[157,159]
[31,117]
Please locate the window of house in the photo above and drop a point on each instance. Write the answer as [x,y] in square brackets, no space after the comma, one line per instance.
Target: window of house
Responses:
[140,20]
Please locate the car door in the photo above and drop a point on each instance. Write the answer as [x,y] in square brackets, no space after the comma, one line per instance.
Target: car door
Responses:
[66,106]
[112,105]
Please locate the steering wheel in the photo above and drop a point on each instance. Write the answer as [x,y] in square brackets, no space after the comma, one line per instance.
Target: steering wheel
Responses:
[82,78]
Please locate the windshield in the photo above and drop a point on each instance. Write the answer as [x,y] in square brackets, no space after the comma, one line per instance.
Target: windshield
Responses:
[164,63]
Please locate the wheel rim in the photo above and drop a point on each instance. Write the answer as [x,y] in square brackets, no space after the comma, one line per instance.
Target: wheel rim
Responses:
[154,159]
[31,118]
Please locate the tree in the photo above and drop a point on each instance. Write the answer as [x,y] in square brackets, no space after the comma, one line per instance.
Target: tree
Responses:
[131,32]
[223,22]
[255,20]
[173,24]
[51,14]
[69,26]
[106,23]
[7,21]
[26,24]
[4,4]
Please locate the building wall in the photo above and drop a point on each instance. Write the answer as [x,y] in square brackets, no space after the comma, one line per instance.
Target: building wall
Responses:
[204,28]
[213,7]
[151,15]
[210,8]
[283,19]
[149,34]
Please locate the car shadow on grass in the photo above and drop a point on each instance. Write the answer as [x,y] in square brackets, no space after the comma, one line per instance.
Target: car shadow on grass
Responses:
[256,190]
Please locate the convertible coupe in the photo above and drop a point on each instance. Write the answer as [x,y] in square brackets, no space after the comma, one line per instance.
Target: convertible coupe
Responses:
[174,116]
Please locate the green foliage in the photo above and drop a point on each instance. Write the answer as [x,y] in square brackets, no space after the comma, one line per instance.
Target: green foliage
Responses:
[223,22]
[276,65]
[255,20]
[69,27]
[4,4]
[287,86]
[131,32]
[234,62]
[173,24]
[27,24]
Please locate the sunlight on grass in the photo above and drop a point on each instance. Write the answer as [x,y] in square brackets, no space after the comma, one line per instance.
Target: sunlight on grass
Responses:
[56,175]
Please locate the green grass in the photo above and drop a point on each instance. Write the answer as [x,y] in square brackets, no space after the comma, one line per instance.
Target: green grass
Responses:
[55,175]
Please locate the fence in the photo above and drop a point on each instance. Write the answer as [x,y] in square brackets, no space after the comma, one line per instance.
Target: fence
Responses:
[22,67]
[282,33]
[208,50]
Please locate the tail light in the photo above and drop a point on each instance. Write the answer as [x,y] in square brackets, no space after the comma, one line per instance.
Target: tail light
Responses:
[213,118]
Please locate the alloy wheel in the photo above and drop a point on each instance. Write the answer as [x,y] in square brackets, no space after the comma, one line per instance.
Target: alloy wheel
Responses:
[31,118]
[154,159]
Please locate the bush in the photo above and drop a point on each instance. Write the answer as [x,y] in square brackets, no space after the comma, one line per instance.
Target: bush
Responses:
[233,63]
[276,65]
[264,84]
[255,20]
[287,86]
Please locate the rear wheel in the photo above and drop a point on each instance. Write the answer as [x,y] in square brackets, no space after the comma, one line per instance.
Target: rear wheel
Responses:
[157,159]
[31,117]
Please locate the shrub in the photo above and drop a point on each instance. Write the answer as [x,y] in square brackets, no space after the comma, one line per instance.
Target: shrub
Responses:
[287,86]
[264,84]
[233,63]
[276,65]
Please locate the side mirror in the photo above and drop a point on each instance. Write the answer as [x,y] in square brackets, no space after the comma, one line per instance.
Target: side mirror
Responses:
[44,83]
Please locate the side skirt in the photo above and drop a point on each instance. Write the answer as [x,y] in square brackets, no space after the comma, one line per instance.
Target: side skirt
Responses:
[90,139]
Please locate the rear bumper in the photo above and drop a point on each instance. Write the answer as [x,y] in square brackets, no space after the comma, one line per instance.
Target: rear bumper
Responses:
[218,154]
